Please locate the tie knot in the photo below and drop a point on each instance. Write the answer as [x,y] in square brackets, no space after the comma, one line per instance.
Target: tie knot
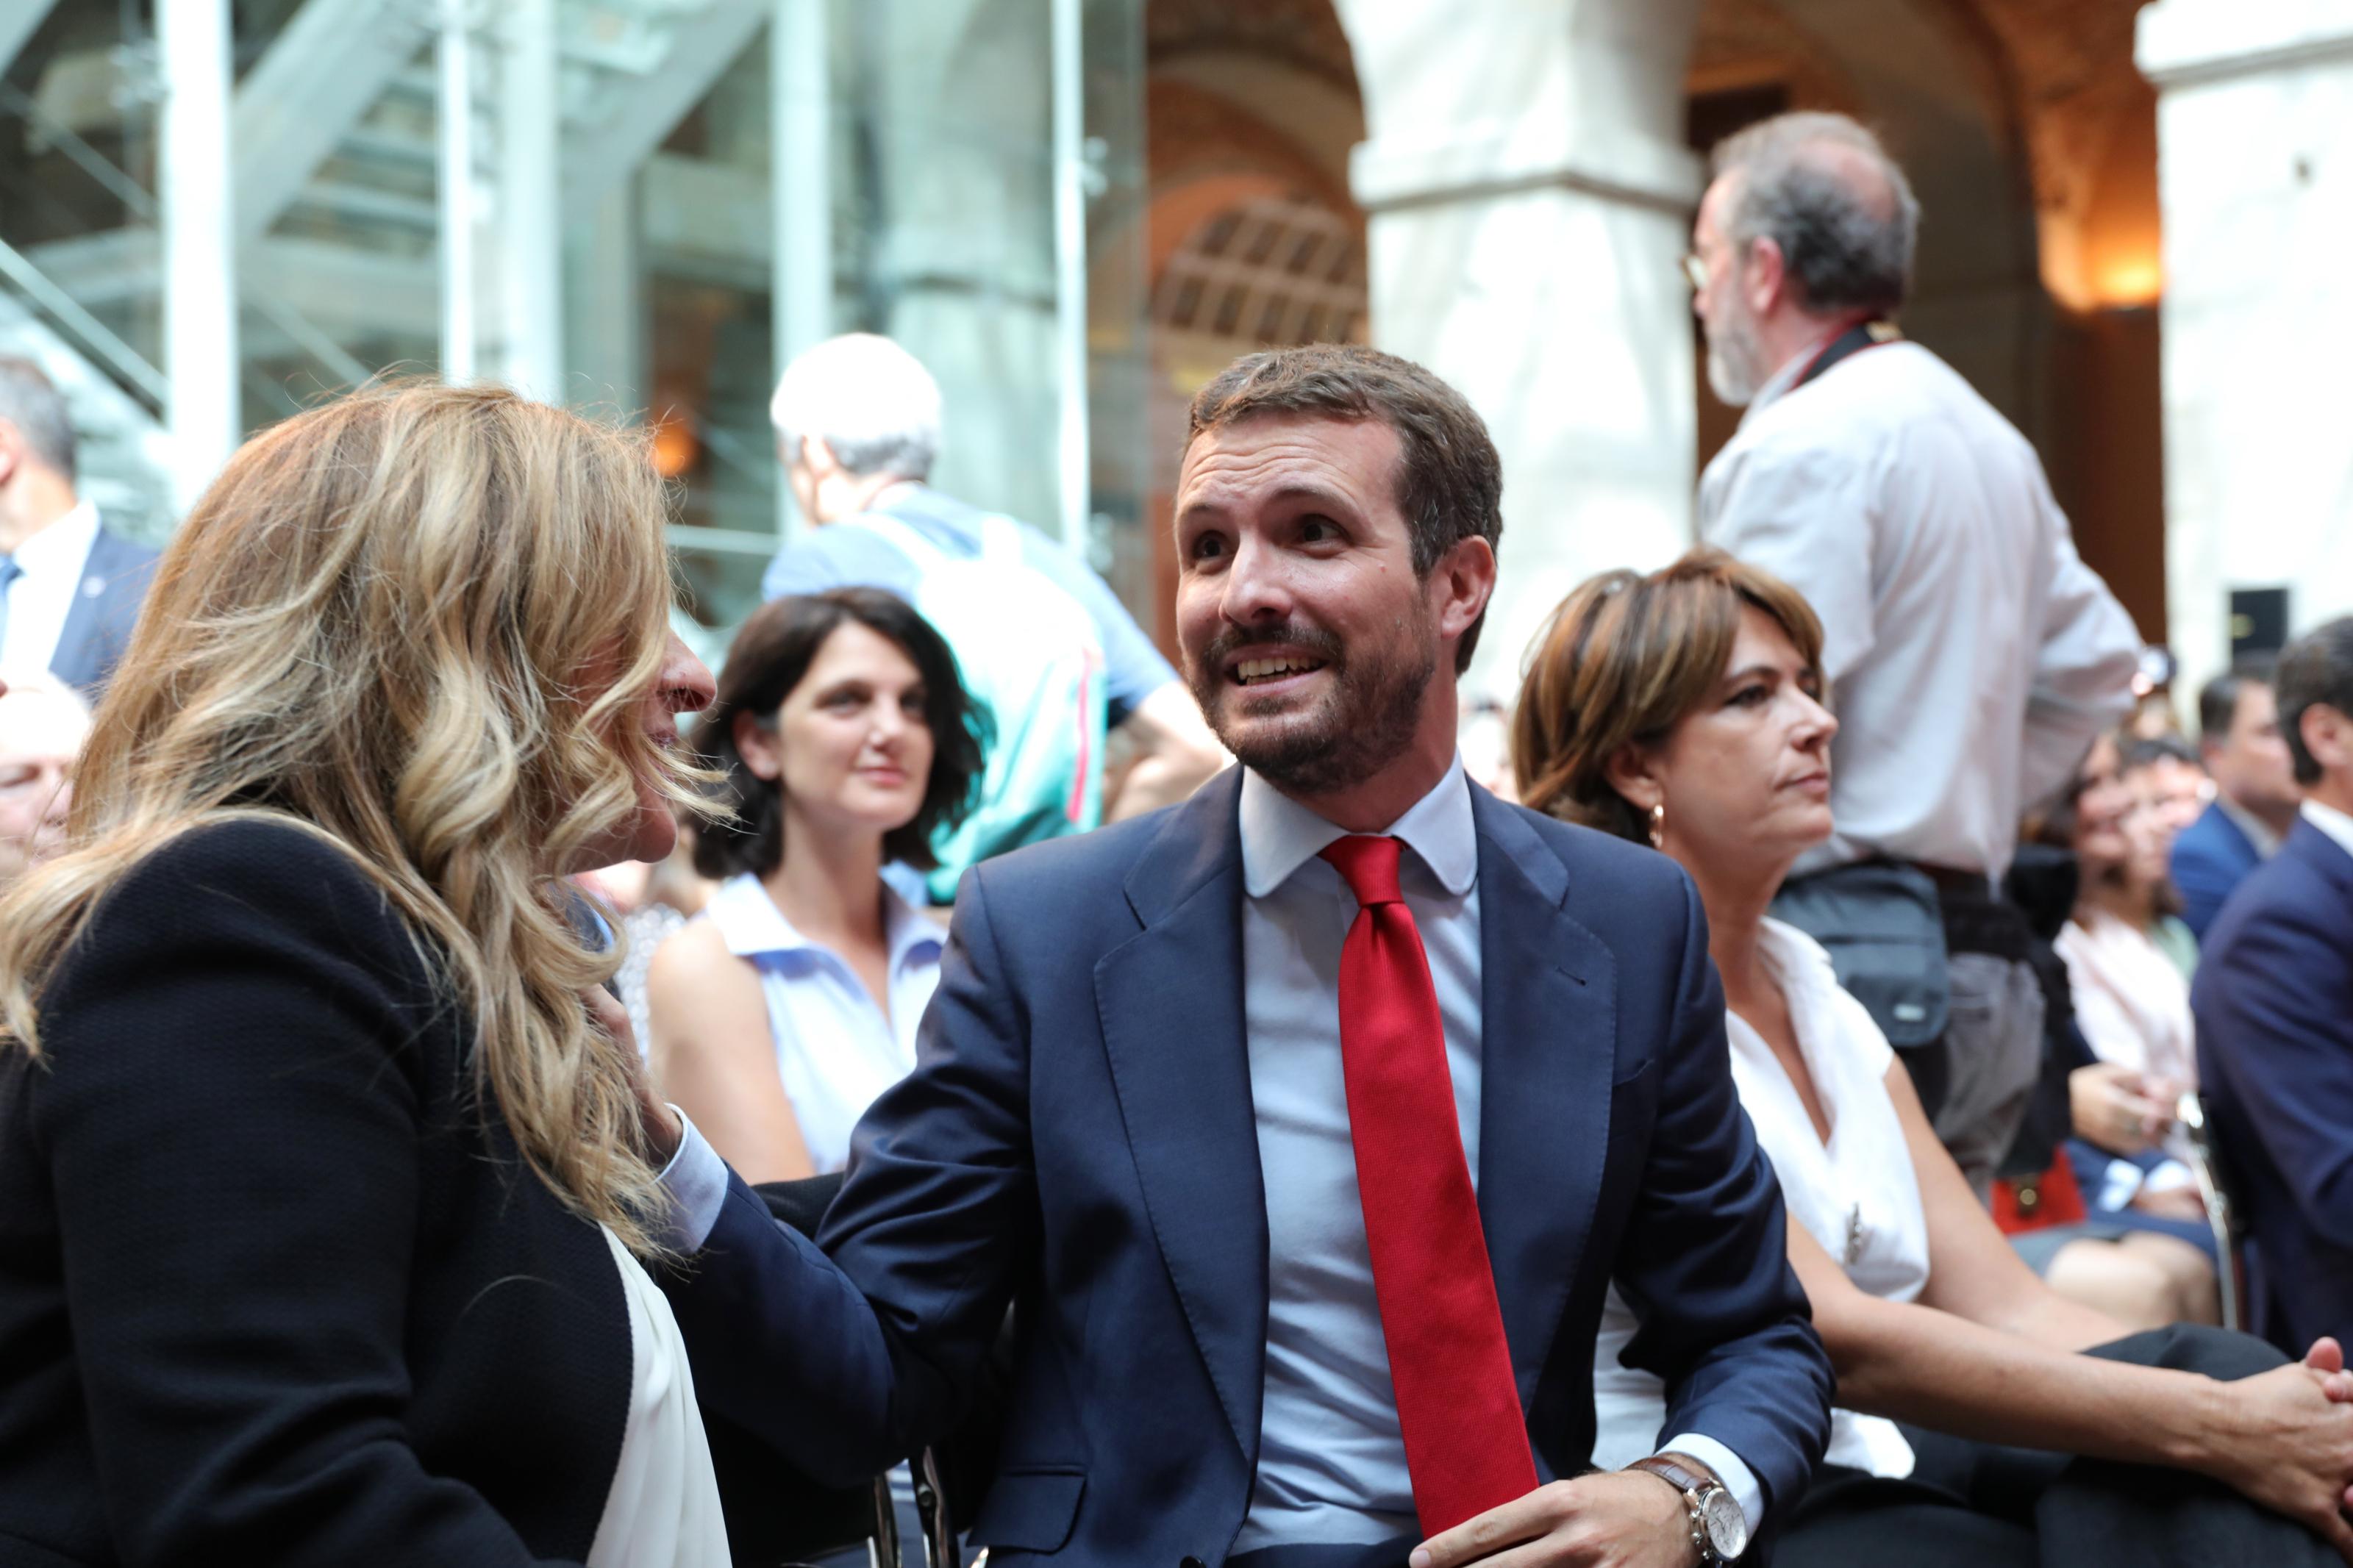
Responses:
[1370,865]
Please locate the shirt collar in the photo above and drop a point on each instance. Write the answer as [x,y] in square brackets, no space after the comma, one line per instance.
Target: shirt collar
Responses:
[1279,835]
[2332,822]
[1778,385]
[2259,832]
[755,926]
[63,545]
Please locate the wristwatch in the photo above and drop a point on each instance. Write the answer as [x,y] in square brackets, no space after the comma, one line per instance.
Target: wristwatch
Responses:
[1718,1527]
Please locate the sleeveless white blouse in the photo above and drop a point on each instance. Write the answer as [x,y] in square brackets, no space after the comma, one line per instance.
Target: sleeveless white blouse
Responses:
[834,1050]
[1856,1195]
[663,1509]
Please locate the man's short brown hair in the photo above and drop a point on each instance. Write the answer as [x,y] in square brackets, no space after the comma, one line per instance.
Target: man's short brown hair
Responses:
[1449,482]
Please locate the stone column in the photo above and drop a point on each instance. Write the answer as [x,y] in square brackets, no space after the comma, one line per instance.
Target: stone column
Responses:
[2255,172]
[1528,194]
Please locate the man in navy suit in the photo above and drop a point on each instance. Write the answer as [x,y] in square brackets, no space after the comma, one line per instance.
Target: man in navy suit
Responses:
[2254,792]
[1305,1124]
[70,587]
[2274,1005]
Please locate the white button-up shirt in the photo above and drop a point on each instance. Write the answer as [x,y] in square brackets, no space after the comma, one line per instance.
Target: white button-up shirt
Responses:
[1332,1466]
[1972,656]
[51,564]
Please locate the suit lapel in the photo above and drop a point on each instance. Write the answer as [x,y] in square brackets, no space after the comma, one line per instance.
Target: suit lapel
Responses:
[1170,1003]
[77,658]
[1548,1038]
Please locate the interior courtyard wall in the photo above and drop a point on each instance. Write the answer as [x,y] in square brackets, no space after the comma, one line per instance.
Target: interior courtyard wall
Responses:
[2256,179]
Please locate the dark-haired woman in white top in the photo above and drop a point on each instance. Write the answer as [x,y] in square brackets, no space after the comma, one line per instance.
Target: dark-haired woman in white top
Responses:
[1685,708]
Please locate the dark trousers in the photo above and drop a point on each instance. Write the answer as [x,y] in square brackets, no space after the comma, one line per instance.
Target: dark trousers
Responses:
[1983,1505]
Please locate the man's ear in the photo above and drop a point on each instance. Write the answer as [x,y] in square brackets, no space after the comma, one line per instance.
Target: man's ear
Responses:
[1633,772]
[1764,275]
[1466,580]
[759,747]
[2327,737]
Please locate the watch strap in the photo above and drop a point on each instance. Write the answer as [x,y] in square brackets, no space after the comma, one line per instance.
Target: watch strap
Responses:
[1683,1474]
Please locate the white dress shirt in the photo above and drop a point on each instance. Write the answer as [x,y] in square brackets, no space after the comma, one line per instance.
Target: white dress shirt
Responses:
[1972,656]
[51,563]
[1332,1466]
[1856,1195]
[834,1050]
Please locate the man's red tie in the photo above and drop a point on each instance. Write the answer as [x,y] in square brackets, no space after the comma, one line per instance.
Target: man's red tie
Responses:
[1466,1441]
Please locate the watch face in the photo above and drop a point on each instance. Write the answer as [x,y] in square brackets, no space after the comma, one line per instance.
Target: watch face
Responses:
[1727,1527]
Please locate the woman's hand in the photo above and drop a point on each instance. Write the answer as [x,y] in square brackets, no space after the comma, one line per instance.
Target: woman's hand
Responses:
[659,1123]
[2110,1107]
[2285,1440]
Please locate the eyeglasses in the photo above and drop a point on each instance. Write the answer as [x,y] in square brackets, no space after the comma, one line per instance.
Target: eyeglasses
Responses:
[1695,268]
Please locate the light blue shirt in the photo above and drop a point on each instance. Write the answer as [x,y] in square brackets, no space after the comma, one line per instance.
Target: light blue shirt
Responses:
[836,1052]
[1332,1466]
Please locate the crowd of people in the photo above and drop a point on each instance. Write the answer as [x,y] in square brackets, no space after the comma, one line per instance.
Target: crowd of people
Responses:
[1824,1106]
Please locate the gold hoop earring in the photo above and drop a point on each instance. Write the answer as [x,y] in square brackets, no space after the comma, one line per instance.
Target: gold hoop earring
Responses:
[1659,826]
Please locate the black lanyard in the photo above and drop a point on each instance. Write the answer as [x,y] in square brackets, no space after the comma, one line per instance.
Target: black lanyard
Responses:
[1863,335]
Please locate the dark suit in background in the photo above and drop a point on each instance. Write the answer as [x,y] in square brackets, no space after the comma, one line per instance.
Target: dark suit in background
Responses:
[2274,1004]
[107,596]
[2211,858]
[1078,1138]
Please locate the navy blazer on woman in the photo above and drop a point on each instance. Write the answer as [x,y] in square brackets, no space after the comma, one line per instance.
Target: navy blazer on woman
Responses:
[274,1289]
[1078,1138]
[2274,1004]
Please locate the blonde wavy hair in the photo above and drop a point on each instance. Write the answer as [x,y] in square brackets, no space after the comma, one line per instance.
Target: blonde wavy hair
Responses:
[417,622]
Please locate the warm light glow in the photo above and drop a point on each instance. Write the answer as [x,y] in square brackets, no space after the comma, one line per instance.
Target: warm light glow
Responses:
[2138,280]
[675,446]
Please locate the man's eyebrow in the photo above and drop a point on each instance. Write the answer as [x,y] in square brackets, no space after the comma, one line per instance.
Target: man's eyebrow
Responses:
[1295,490]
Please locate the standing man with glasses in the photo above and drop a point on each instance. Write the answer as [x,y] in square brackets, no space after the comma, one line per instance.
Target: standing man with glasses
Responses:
[1972,656]
[70,587]
[1306,1125]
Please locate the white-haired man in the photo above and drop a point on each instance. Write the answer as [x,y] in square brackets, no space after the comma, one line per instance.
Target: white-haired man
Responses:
[43,723]
[1042,641]
[1972,655]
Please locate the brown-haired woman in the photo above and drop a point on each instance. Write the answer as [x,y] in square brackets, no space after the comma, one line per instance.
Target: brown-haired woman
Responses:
[331,1204]
[1683,708]
[848,742]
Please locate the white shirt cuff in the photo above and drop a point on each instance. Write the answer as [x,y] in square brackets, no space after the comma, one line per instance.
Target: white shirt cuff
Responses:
[696,1182]
[1737,1478]
[2166,1175]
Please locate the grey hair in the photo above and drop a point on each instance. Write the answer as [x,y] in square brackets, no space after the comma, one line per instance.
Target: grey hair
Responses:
[1847,243]
[30,401]
[868,399]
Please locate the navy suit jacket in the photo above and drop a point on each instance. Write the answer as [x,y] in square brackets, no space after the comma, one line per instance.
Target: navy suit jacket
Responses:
[2211,858]
[113,584]
[2274,1004]
[1078,1140]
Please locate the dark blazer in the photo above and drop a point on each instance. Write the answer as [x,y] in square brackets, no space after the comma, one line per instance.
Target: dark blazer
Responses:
[1077,1138]
[272,1288]
[113,584]
[2274,999]
[2211,857]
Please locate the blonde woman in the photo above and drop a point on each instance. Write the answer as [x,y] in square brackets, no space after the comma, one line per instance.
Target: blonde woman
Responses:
[330,1205]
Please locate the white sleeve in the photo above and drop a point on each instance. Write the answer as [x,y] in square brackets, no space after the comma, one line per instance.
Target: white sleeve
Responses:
[1807,514]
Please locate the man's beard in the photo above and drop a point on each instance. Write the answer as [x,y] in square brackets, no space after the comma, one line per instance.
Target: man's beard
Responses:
[1365,723]
[1732,359]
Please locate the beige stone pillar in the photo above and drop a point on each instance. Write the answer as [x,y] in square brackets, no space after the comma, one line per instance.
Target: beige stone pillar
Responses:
[1528,195]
